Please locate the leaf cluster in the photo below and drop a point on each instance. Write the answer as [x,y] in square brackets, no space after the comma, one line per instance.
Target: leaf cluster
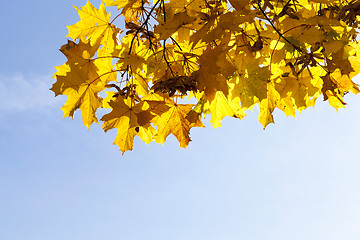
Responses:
[176,61]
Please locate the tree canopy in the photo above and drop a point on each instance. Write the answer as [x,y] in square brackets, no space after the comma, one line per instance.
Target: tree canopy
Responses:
[159,67]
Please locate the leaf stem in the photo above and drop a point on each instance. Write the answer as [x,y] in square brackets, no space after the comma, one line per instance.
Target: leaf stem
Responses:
[115,18]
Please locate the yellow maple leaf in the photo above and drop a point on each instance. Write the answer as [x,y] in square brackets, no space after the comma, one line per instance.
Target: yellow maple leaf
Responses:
[122,115]
[141,82]
[190,6]
[343,82]
[335,100]
[130,119]
[168,28]
[80,58]
[287,106]
[136,58]
[210,75]
[110,96]
[125,136]
[250,87]
[310,35]
[171,118]
[58,86]
[86,99]
[221,107]
[81,79]
[267,105]
[125,139]
[78,53]
[95,25]
[265,112]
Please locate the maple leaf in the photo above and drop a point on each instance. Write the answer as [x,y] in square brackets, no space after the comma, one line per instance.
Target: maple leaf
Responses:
[86,99]
[81,79]
[177,21]
[80,60]
[171,118]
[189,6]
[130,119]
[221,107]
[131,10]
[250,86]
[265,112]
[58,86]
[94,25]
[210,74]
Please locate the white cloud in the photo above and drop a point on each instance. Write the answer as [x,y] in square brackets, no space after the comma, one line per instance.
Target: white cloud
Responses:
[19,93]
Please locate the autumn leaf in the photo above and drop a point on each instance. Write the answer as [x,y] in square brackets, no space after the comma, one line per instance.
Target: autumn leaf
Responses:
[81,78]
[94,25]
[130,119]
[221,107]
[86,99]
[171,118]
[266,109]
[251,85]
[80,60]
[173,24]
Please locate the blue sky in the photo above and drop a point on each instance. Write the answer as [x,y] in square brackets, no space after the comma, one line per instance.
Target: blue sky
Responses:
[298,179]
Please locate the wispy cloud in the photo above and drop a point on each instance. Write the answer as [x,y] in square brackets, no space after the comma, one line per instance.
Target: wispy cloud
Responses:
[20,93]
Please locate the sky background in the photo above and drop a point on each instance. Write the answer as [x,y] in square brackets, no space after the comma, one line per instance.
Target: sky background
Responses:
[298,179]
